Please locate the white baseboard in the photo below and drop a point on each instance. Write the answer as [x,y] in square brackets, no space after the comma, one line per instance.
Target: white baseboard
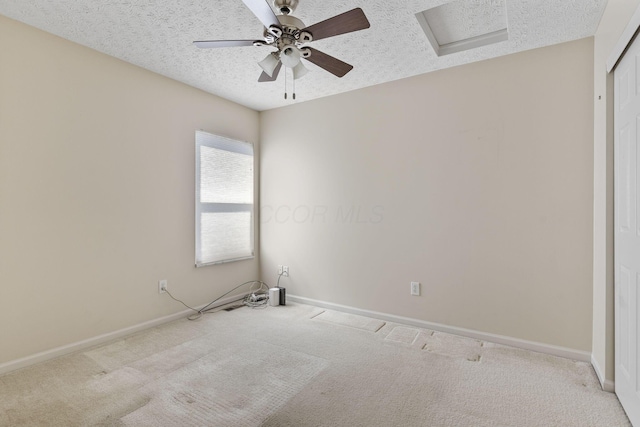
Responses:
[553,350]
[607,385]
[499,339]
[101,339]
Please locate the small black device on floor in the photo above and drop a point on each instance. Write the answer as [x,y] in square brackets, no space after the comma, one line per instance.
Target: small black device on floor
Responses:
[283,296]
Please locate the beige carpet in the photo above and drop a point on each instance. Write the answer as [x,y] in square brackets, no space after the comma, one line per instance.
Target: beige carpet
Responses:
[299,365]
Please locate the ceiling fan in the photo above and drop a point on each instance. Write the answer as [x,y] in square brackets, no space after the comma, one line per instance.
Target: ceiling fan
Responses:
[289,35]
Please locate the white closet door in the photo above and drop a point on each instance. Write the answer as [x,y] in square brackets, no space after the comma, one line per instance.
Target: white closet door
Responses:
[627,232]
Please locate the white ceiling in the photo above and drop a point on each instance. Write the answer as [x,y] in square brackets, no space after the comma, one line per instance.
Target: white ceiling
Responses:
[158,34]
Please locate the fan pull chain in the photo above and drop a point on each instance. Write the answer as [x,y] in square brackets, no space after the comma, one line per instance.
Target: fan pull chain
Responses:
[285,86]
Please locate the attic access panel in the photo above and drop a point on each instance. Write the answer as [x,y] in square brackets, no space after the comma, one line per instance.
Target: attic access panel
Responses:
[464,25]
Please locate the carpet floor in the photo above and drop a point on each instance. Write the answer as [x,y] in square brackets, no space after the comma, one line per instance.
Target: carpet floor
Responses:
[299,365]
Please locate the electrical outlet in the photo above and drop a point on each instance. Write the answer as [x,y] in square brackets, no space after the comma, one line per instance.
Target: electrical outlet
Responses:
[415,288]
[162,286]
[279,270]
[285,270]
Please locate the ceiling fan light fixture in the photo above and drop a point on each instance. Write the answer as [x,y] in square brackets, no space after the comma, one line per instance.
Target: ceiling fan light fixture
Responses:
[269,64]
[299,71]
[290,56]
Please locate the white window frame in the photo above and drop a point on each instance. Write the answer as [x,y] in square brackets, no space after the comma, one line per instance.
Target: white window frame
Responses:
[221,143]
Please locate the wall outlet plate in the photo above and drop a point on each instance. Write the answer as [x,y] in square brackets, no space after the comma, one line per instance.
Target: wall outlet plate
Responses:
[415,288]
[162,286]
[283,270]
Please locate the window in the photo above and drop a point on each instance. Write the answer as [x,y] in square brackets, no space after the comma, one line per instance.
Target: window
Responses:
[224,199]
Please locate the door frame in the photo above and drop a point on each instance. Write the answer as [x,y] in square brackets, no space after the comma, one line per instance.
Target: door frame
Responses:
[617,52]
[625,40]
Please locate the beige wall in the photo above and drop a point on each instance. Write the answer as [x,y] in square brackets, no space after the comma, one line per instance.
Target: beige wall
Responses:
[469,180]
[612,24]
[97,192]
[475,181]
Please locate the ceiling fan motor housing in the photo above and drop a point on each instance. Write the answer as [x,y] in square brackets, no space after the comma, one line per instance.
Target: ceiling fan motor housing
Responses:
[290,23]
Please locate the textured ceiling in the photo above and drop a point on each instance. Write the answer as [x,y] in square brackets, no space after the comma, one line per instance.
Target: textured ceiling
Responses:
[158,34]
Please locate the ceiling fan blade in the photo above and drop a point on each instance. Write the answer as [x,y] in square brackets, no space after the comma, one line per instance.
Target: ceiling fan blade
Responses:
[264,77]
[353,20]
[329,63]
[263,12]
[209,44]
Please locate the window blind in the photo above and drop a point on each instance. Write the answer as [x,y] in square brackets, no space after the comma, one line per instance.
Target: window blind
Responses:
[224,199]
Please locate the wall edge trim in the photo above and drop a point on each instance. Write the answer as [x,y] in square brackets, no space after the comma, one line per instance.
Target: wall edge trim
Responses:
[550,349]
[607,385]
[56,352]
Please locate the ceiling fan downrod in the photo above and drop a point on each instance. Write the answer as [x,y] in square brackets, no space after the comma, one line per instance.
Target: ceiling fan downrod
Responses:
[285,7]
